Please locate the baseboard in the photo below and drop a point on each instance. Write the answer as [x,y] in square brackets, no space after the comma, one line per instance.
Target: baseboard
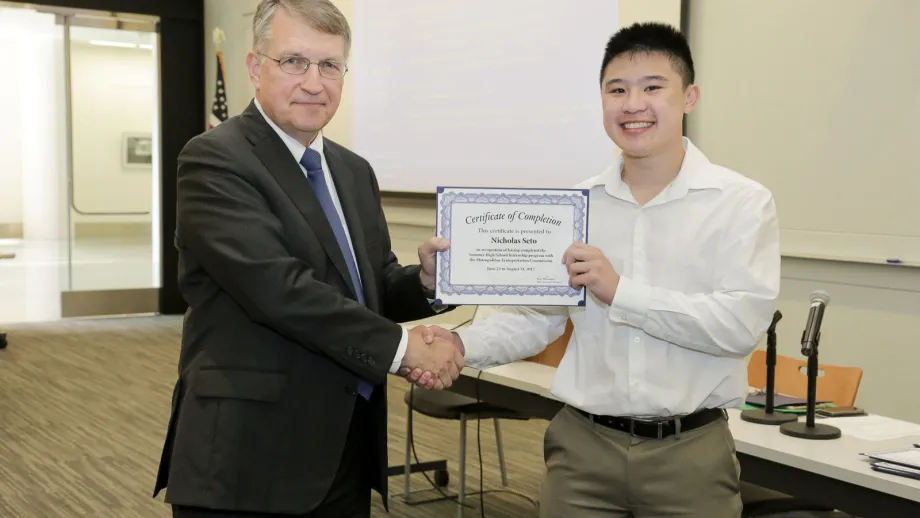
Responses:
[123,231]
[109,302]
[10,230]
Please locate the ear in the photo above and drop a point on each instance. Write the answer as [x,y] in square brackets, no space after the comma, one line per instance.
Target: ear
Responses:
[254,65]
[692,96]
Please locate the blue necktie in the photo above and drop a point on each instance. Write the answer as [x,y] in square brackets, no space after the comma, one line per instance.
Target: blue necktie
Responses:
[313,163]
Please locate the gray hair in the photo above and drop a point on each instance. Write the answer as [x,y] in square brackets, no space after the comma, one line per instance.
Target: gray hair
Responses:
[322,15]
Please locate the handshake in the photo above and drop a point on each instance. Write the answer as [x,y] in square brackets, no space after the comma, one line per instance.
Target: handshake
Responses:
[433,359]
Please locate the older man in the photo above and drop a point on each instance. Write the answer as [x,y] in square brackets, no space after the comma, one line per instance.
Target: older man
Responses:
[293,293]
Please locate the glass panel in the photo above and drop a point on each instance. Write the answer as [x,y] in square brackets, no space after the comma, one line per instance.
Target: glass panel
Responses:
[114,195]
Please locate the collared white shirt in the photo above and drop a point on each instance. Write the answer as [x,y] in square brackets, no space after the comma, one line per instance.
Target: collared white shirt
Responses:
[700,272]
[297,150]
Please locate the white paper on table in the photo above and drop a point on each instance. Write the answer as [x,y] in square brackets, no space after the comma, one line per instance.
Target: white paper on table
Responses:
[874,427]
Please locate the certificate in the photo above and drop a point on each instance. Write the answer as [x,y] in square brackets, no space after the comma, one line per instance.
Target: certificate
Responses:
[506,245]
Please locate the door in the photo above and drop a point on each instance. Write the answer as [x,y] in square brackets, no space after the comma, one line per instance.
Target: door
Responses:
[111,101]
[79,163]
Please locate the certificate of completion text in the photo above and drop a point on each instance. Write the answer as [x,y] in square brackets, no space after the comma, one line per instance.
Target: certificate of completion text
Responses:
[507,245]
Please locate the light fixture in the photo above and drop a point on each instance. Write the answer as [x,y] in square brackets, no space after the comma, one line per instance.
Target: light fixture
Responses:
[113,44]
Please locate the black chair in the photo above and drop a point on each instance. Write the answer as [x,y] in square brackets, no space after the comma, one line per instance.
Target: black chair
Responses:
[449,405]
[3,342]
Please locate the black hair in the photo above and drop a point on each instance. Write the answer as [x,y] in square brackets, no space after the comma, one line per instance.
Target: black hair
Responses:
[650,37]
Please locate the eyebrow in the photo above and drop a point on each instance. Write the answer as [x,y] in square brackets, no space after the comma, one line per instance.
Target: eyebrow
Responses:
[295,54]
[617,80]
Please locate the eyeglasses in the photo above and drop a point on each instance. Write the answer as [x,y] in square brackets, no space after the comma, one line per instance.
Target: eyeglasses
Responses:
[296,66]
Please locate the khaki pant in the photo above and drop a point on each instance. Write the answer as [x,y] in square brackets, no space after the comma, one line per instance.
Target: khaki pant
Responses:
[596,472]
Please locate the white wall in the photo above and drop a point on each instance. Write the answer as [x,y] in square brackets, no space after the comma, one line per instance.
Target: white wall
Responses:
[10,140]
[31,141]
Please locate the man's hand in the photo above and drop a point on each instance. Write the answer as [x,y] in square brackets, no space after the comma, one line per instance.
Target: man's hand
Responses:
[429,333]
[587,266]
[423,378]
[427,255]
[439,358]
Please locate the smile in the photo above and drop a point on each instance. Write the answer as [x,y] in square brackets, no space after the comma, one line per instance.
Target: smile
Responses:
[637,125]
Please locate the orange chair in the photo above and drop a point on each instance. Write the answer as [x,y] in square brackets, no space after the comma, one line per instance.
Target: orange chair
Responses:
[836,384]
[553,353]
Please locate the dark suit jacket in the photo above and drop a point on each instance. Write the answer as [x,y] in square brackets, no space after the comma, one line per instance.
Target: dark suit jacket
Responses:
[274,341]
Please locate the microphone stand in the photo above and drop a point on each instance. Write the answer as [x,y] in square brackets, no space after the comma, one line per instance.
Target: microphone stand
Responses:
[766,415]
[809,429]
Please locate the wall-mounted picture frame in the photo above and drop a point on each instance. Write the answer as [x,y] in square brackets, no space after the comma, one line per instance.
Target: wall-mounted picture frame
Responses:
[137,151]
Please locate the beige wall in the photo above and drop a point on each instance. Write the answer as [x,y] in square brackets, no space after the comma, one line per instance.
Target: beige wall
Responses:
[632,11]
[234,17]
[102,112]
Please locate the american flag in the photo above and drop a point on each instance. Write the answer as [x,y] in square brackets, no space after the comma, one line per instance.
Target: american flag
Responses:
[219,108]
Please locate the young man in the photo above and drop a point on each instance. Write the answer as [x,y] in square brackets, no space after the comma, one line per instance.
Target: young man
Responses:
[682,268]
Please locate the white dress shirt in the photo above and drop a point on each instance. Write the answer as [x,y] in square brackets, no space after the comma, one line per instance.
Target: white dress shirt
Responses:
[700,272]
[298,149]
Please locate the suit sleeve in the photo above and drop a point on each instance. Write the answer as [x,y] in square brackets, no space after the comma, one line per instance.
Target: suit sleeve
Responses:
[227,225]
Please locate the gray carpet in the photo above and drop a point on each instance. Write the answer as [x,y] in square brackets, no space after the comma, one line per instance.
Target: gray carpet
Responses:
[83,410]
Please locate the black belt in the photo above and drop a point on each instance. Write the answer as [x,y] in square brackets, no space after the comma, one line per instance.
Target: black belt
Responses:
[656,429]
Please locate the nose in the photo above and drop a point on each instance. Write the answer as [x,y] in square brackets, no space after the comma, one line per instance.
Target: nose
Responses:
[311,81]
[635,101]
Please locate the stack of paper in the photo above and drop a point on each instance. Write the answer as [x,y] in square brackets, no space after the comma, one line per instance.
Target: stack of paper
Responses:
[874,427]
[905,462]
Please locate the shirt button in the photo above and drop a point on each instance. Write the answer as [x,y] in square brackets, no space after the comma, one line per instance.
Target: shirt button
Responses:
[637,340]
[636,385]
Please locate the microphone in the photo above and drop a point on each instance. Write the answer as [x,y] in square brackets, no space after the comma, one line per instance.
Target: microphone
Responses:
[812,333]
[777,316]
[810,337]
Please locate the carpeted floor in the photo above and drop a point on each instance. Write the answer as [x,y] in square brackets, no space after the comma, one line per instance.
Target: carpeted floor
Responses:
[83,410]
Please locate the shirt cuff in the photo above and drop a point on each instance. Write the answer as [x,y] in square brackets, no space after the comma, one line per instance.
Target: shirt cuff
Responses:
[400,351]
[631,301]
[471,355]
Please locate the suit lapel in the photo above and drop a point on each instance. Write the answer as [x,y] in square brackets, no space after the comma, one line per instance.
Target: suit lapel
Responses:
[345,187]
[278,160]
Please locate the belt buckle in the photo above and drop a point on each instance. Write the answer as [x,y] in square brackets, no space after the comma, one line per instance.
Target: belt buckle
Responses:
[658,424]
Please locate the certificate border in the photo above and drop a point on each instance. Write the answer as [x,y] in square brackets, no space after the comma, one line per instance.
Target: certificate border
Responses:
[445,202]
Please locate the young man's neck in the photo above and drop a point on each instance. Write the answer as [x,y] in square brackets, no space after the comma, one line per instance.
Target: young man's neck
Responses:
[647,176]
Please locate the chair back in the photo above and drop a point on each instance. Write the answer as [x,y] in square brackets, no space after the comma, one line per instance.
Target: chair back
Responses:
[837,384]
[553,353]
